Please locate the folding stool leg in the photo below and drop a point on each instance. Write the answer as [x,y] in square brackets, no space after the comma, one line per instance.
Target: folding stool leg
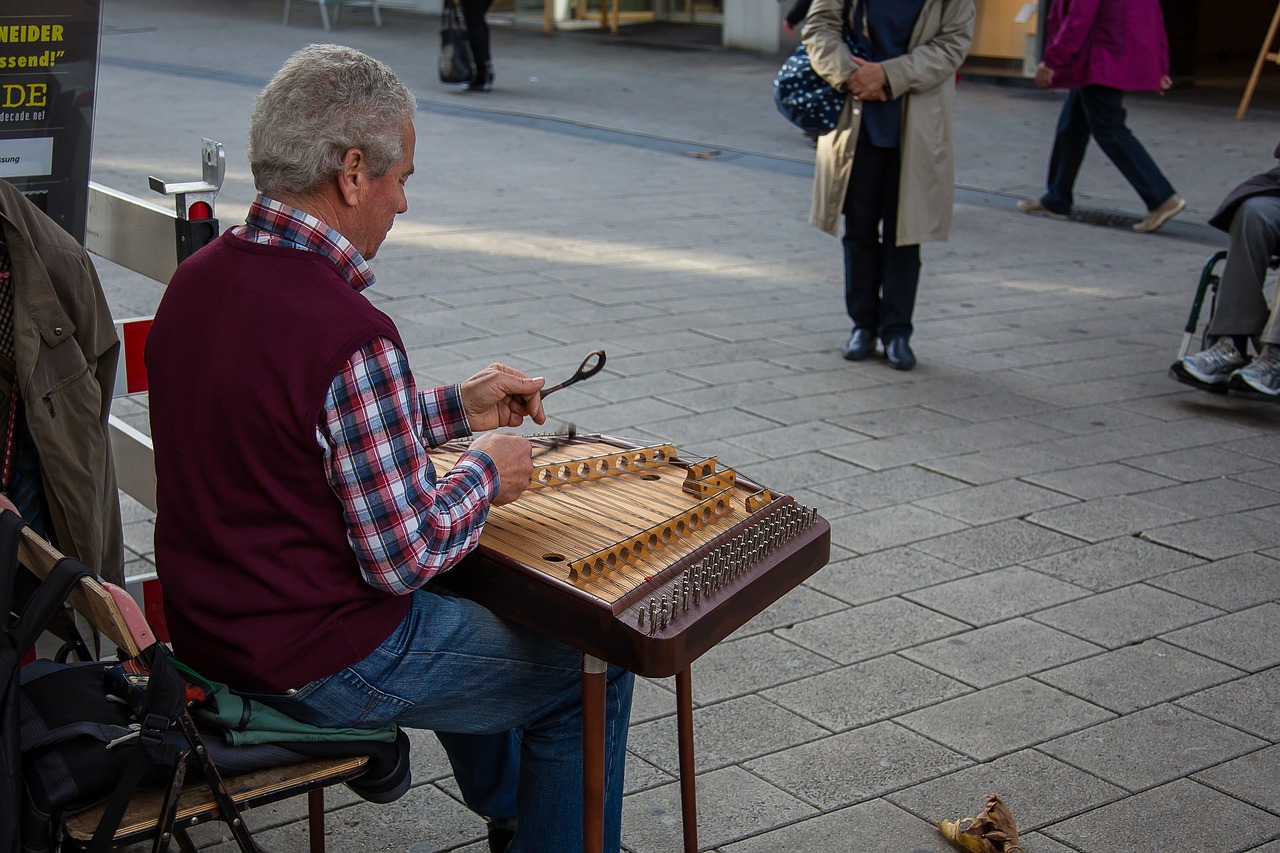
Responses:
[315,819]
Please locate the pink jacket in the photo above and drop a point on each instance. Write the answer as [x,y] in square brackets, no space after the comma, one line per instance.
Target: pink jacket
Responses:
[1116,43]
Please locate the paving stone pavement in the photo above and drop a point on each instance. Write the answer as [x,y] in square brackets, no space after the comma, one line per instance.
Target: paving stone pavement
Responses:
[1055,572]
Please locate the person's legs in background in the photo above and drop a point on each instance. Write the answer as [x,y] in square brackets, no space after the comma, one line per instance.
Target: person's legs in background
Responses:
[880,277]
[899,274]
[863,257]
[1103,108]
[473,12]
[1070,141]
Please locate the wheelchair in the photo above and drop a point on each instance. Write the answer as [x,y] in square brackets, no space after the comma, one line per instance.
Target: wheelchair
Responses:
[1210,278]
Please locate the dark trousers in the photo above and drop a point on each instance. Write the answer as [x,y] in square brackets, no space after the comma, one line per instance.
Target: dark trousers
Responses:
[477,31]
[1241,307]
[880,277]
[1098,111]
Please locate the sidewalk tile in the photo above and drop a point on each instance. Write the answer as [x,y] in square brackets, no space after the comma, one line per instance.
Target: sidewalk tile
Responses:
[1138,676]
[1215,538]
[1213,497]
[891,486]
[857,765]
[1251,778]
[1113,563]
[1126,615]
[1151,747]
[996,596]
[1002,652]
[890,527]
[1159,820]
[1231,584]
[1039,790]
[883,574]
[994,502]
[1099,481]
[871,630]
[1246,639]
[732,804]
[1004,718]
[872,826]
[994,546]
[864,693]
[1248,703]
[1106,518]
[727,733]
[749,665]
[1197,463]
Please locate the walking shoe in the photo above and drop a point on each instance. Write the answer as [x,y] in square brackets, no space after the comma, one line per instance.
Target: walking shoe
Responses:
[1172,206]
[482,82]
[1214,366]
[1033,207]
[1261,375]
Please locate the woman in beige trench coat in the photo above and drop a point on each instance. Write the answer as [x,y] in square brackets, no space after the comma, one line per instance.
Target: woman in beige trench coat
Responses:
[891,172]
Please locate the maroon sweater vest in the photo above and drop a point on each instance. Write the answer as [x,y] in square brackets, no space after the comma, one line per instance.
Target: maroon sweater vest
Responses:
[261,588]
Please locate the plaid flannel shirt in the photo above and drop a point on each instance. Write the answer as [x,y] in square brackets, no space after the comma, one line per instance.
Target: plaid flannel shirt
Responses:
[403,523]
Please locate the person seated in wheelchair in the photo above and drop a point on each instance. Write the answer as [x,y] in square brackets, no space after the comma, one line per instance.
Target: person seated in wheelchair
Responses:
[1251,215]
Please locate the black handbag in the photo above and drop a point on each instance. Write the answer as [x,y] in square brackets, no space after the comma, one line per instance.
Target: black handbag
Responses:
[803,97]
[456,65]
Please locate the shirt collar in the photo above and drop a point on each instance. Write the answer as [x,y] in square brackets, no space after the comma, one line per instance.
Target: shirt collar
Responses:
[277,224]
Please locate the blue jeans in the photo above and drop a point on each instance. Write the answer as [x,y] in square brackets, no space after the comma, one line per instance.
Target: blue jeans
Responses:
[1098,111]
[505,702]
[880,277]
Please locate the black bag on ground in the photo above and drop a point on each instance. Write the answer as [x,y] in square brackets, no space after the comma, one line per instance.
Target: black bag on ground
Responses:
[456,63]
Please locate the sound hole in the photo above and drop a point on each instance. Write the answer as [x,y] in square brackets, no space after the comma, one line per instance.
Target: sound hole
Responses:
[553,558]
[650,477]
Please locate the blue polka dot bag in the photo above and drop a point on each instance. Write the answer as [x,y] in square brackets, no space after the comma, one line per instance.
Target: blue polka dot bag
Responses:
[803,97]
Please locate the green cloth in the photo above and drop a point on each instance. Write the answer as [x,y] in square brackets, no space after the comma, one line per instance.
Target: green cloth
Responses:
[247,721]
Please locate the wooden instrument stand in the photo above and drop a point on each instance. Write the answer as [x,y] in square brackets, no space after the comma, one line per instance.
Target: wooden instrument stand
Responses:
[593,756]
[1266,54]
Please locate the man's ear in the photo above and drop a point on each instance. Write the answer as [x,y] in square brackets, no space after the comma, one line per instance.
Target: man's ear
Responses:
[352,178]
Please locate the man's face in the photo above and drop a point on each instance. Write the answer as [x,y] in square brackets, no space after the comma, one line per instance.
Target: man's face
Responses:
[384,200]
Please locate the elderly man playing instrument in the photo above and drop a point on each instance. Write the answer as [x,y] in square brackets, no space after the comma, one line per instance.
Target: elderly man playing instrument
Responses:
[300,520]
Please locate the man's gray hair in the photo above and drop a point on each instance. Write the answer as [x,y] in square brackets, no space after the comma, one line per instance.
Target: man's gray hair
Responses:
[324,100]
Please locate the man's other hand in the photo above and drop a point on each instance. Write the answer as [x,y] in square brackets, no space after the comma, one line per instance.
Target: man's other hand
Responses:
[514,457]
[501,396]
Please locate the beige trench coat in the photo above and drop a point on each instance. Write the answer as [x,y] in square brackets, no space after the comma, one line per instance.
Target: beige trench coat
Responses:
[925,78]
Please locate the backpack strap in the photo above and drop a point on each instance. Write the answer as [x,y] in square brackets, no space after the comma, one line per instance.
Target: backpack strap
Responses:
[165,701]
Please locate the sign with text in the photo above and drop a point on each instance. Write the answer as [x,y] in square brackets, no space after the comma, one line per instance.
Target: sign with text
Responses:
[48,72]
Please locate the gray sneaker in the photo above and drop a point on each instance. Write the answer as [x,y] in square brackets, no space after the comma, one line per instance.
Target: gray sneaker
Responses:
[1261,375]
[1214,366]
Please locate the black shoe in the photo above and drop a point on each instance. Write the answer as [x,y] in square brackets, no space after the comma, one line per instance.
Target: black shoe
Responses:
[482,82]
[899,354]
[861,343]
[499,838]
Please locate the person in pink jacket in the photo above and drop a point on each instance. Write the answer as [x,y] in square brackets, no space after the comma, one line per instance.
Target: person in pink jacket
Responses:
[1100,49]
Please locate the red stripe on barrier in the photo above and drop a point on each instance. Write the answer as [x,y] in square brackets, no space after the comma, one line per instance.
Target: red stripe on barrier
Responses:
[135,365]
[153,607]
